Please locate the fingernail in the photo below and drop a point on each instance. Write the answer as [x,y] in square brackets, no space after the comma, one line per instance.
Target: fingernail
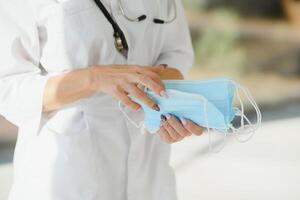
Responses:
[183,121]
[163,118]
[155,107]
[164,94]
[168,116]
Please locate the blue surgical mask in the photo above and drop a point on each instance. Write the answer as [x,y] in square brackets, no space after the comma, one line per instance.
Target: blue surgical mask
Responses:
[208,103]
[184,105]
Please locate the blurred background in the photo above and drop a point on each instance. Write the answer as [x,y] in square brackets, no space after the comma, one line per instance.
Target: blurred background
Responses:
[257,43]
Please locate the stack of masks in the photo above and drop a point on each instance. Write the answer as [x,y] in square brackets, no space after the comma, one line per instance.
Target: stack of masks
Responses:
[208,103]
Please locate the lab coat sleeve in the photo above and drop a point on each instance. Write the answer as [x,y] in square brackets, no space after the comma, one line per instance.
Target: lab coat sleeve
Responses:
[177,50]
[21,81]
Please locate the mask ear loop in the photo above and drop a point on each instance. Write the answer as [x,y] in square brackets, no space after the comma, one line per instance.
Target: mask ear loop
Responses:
[209,131]
[244,117]
[141,125]
[207,125]
[239,113]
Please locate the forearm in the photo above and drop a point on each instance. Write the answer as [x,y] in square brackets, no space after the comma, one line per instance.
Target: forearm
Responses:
[66,88]
[69,87]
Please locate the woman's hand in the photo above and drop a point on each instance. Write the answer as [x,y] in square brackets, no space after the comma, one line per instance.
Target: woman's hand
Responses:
[120,81]
[173,130]
[116,80]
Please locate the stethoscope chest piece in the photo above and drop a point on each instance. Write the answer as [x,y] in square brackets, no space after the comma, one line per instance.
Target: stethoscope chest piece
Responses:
[118,43]
[121,44]
[120,40]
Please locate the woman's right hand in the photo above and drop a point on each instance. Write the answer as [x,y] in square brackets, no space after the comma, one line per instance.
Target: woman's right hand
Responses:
[120,81]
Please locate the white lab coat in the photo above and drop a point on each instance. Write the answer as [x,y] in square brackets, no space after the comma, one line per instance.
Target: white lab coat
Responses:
[85,150]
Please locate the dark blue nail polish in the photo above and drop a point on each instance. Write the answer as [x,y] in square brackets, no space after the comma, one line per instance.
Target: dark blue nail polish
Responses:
[163,118]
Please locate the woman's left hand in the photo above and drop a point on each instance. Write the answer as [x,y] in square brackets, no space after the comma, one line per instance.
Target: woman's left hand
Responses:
[173,130]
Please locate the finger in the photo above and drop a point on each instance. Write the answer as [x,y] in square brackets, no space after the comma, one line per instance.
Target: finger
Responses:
[171,131]
[126,100]
[156,69]
[154,76]
[142,96]
[125,68]
[146,81]
[146,71]
[192,127]
[165,136]
[178,126]
[145,77]
[159,68]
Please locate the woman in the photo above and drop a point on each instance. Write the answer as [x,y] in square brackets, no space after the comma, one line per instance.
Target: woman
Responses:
[60,83]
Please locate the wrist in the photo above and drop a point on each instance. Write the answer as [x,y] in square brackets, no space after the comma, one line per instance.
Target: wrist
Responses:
[93,78]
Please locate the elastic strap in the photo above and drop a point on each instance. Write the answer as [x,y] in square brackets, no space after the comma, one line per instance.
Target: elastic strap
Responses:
[249,128]
[210,147]
[140,125]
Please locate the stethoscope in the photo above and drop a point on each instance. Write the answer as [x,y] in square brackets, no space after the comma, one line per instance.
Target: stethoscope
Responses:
[143,17]
[120,40]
